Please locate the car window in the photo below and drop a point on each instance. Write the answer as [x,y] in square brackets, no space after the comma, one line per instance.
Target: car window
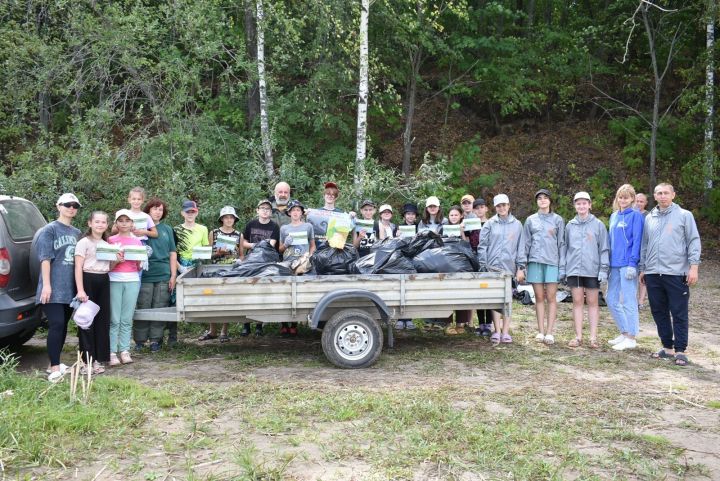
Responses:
[22,219]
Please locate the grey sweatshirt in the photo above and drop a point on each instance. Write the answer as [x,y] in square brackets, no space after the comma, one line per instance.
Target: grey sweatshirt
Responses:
[501,245]
[544,239]
[587,251]
[671,242]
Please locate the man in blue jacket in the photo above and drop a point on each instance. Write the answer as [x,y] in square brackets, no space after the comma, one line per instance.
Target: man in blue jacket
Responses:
[669,262]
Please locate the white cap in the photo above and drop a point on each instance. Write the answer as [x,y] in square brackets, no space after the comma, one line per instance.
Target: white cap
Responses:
[500,199]
[68,197]
[227,210]
[582,195]
[385,207]
[124,212]
[432,200]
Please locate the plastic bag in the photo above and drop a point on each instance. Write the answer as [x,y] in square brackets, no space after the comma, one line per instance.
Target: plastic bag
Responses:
[385,258]
[251,269]
[421,242]
[339,226]
[328,260]
[454,256]
[262,252]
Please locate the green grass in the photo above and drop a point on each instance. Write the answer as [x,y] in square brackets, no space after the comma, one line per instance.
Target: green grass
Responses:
[42,426]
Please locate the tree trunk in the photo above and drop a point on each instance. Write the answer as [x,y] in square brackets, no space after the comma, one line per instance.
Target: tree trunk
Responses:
[253,93]
[44,110]
[548,12]
[656,97]
[264,124]
[360,150]
[710,97]
[416,60]
[530,13]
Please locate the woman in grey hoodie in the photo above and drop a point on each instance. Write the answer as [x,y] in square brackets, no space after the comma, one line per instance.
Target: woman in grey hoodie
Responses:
[501,250]
[586,265]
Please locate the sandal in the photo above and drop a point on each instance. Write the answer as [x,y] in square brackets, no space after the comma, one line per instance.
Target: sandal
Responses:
[661,354]
[506,339]
[224,338]
[681,359]
[575,343]
[495,338]
[594,344]
[451,331]
[207,336]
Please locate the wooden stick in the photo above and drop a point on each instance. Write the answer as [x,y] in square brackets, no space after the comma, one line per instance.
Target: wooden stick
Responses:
[99,472]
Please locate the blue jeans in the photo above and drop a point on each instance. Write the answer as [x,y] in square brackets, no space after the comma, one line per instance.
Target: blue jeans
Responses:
[622,301]
[669,297]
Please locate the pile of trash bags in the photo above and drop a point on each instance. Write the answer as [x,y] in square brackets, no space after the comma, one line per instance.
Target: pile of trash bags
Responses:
[424,253]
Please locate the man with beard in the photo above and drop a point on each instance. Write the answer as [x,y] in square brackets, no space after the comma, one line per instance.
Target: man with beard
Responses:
[279,205]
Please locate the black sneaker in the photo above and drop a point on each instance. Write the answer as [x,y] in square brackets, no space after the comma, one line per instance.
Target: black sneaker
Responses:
[154,346]
[139,346]
[259,331]
[245,330]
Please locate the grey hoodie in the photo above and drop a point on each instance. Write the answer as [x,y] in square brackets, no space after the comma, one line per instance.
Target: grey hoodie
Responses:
[501,245]
[587,252]
[544,239]
[671,242]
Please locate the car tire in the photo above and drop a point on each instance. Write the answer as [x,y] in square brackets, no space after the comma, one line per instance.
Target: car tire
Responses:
[352,339]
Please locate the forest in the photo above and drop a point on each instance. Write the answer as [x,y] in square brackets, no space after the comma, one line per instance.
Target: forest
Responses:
[462,96]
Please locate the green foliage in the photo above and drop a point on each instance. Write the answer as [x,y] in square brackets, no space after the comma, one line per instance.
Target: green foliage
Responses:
[466,160]
[711,208]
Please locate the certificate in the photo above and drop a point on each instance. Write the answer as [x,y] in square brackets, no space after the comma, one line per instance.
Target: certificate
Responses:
[135,253]
[204,252]
[406,230]
[299,238]
[226,242]
[451,230]
[472,223]
[362,224]
[107,252]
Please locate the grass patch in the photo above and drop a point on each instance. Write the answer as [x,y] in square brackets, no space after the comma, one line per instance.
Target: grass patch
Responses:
[42,426]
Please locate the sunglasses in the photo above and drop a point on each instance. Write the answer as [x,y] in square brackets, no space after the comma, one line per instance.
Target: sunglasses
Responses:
[71,205]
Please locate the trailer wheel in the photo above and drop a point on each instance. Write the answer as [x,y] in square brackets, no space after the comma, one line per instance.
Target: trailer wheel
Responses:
[352,339]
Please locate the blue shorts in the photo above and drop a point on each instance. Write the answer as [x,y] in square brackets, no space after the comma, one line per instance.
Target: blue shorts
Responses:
[541,273]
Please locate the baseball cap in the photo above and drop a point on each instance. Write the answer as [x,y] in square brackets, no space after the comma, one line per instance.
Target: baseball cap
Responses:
[189,205]
[543,191]
[367,202]
[331,185]
[500,199]
[67,197]
[123,212]
[582,195]
[227,210]
[409,208]
[432,200]
[385,207]
[292,204]
[264,201]
[467,197]
[478,203]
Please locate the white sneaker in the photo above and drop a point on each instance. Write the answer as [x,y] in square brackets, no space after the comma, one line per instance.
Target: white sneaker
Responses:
[409,325]
[549,339]
[114,361]
[617,340]
[399,325]
[540,337]
[625,344]
[55,377]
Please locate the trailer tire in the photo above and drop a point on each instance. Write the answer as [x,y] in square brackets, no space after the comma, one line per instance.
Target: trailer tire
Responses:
[352,339]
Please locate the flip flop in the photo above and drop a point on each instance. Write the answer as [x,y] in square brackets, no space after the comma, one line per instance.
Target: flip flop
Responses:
[661,354]
[681,359]
[506,339]
[207,336]
[495,338]
[575,343]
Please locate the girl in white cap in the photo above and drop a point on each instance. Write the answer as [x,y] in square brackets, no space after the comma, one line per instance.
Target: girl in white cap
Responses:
[432,218]
[500,250]
[586,265]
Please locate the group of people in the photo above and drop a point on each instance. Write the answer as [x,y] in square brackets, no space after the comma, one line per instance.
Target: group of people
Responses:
[659,249]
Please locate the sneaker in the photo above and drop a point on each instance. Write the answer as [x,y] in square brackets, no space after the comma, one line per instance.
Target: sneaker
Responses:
[245,330]
[617,340]
[627,343]
[478,331]
[259,331]
[114,361]
[284,331]
[409,325]
[139,346]
[125,357]
[62,368]
[55,377]
[400,325]
[540,337]
[485,330]
[549,339]
[154,346]
[293,331]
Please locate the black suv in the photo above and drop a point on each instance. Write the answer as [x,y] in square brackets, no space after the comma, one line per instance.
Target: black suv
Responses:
[19,317]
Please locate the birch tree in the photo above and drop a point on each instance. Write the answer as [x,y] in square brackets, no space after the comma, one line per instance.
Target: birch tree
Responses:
[361,147]
[710,96]
[264,124]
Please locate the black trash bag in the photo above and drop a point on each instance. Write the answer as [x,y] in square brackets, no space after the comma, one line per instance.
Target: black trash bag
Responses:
[251,269]
[328,260]
[391,244]
[422,241]
[263,252]
[456,256]
[384,262]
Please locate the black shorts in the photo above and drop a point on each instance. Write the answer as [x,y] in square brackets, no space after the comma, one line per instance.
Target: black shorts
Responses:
[586,282]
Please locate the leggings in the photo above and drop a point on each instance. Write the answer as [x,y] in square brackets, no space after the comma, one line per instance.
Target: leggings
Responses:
[58,316]
[95,341]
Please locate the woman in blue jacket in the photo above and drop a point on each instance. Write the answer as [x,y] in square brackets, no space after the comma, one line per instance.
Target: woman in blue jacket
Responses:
[626,229]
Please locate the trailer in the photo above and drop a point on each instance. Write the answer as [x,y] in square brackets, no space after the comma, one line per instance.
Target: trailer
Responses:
[351,310]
